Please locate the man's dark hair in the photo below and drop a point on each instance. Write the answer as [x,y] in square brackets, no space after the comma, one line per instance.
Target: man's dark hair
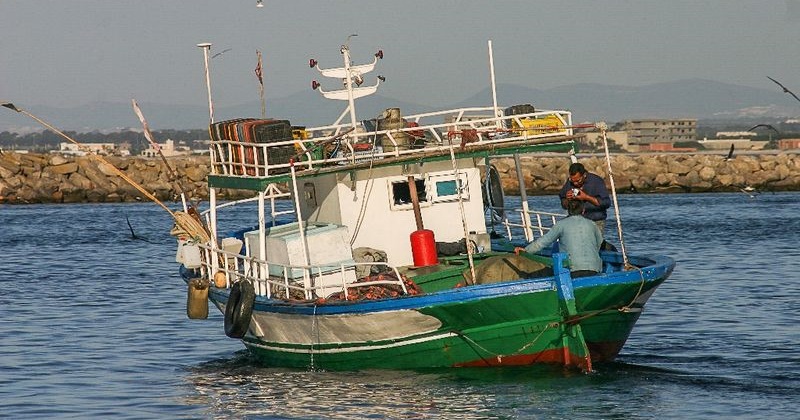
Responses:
[574,207]
[576,168]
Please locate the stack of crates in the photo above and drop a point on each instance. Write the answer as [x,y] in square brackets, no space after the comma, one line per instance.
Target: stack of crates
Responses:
[245,159]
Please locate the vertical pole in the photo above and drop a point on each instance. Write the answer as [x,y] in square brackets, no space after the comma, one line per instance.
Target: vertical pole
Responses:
[302,231]
[523,196]
[262,242]
[614,195]
[212,224]
[261,86]
[348,80]
[494,86]
[412,190]
[206,46]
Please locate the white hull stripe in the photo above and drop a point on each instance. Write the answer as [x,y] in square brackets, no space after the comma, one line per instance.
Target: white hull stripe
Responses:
[350,349]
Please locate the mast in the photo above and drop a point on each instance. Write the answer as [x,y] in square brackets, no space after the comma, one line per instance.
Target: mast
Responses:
[351,75]
[494,86]
[206,46]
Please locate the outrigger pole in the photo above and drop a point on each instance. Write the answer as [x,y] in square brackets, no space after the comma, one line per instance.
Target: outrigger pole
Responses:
[183,222]
[149,136]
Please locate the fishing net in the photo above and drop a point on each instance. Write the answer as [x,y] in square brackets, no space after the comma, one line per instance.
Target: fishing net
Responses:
[507,267]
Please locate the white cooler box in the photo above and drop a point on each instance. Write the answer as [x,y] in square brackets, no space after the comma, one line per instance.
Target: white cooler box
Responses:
[328,246]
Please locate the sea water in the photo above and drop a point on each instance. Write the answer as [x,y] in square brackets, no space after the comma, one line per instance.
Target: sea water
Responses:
[93,325]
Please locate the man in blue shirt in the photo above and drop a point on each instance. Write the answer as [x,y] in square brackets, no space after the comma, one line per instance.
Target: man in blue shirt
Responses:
[578,237]
[591,190]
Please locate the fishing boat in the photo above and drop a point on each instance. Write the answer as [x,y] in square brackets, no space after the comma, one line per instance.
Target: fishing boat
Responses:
[374,243]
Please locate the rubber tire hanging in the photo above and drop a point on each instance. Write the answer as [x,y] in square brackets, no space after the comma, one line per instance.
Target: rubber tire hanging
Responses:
[493,196]
[239,309]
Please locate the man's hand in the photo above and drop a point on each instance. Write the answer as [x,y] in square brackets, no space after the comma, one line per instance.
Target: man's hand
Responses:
[518,250]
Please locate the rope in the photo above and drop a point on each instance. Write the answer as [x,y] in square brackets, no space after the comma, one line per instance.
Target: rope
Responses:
[518,351]
[189,226]
[627,307]
[470,251]
[367,191]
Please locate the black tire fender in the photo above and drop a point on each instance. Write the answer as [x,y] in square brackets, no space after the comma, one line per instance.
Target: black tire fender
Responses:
[239,309]
[493,193]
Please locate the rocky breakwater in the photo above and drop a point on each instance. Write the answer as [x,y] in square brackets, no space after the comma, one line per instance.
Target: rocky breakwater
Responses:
[35,178]
[662,172]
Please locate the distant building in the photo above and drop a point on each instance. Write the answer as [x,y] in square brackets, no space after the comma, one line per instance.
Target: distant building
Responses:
[735,134]
[167,149]
[652,134]
[620,138]
[788,144]
[669,147]
[738,143]
[96,148]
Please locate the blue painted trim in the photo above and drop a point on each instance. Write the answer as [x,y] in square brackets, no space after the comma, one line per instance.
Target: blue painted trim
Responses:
[565,291]
[661,268]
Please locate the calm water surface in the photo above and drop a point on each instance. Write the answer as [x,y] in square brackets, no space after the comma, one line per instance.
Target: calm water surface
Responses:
[93,325]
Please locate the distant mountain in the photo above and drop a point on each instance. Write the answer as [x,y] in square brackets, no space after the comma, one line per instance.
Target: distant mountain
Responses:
[691,98]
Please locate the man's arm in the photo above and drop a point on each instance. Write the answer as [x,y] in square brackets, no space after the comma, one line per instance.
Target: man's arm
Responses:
[545,241]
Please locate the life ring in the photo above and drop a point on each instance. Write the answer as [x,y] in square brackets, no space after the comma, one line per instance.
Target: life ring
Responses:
[493,196]
[239,309]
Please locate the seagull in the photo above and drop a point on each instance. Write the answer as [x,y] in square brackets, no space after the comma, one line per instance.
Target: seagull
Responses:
[730,153]
[750,191]
[784,88]
[226,50]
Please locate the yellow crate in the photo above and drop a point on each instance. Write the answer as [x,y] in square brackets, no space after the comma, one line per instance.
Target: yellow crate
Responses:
[542,125]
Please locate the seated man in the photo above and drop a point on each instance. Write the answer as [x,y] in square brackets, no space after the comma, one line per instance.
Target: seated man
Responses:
[578,237]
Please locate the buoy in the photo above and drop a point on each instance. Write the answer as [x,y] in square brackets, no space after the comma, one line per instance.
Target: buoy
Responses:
[423,248]
[197,299]
[220,280]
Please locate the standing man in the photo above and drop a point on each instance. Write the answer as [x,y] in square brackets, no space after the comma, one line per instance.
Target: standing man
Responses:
[591,190]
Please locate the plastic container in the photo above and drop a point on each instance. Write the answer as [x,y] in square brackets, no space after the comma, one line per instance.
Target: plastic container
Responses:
[423,248]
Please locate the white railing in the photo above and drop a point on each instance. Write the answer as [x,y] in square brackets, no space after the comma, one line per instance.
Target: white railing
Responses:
[280,281]
[466,126]
[539,221]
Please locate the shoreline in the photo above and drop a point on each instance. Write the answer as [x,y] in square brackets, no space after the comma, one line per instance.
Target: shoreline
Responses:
[48,178]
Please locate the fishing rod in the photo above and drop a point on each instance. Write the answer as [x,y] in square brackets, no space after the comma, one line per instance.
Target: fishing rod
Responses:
[183,220]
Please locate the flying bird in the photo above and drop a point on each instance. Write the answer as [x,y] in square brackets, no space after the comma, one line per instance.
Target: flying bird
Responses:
[228,49]
[785,90]
[730,153]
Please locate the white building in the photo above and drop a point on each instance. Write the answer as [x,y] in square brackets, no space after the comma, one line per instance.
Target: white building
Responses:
[96,148]
[167,149]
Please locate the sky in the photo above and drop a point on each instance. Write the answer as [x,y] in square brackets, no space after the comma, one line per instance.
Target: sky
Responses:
[72,52]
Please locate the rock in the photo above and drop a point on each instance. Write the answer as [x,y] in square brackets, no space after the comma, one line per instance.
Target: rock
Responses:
[707,173]
[65,168]
[58,160]
[197,173]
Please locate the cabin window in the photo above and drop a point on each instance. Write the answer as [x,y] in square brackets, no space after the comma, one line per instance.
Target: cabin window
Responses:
[401,193]
[444,187]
